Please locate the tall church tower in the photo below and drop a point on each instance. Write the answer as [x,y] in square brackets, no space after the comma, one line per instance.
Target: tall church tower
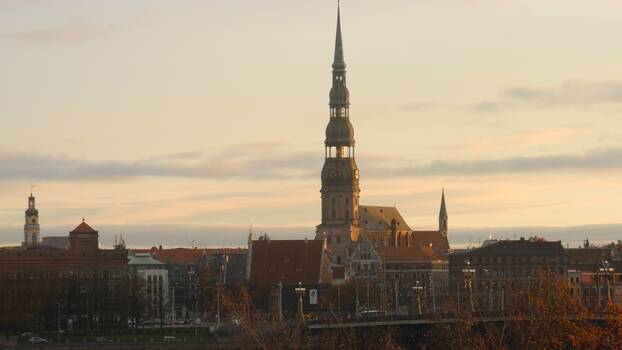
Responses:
[340,175]
[31,226]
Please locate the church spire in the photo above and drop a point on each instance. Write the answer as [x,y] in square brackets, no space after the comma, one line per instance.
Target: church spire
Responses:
[443,217]
[338,62]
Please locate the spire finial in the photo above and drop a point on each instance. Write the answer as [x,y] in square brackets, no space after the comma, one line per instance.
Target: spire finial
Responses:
[82,219]
[338,62]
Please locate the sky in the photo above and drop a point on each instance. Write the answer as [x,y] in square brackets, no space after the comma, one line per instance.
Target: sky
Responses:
[183,122]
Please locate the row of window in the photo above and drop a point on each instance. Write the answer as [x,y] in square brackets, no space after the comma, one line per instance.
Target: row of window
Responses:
[517,259]
[96,275]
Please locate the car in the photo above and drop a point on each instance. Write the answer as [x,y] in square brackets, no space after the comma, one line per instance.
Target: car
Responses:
[171,339]
[104,340]
[197,322]
[37,340]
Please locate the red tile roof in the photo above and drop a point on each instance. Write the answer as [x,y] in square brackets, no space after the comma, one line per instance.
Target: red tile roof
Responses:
[408,254]
[290,261]
[188,255]
[83,228]
[433,238]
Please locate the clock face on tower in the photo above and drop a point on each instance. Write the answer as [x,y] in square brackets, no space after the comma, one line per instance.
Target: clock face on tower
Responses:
[332,173]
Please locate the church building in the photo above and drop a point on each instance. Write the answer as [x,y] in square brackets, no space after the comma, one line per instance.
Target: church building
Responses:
[344,220]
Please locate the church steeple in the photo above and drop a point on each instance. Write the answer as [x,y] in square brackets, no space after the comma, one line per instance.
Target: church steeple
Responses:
[443,217]
[340,175]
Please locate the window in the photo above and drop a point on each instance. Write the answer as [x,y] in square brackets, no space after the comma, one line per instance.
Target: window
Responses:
[328,239]
[347,214]
[338,260]
[338,239]
[334,214]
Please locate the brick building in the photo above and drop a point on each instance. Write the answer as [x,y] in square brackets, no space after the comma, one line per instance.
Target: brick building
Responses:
[85,284]
[276,267]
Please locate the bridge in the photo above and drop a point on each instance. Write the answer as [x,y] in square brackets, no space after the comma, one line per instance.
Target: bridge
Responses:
[413,322]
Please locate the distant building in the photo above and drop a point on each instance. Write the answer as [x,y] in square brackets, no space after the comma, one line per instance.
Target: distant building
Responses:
[154,276]
[589,279]
[410,267]
[60,242]
[185,267]
[276,267]
[89,283]
[344,220]
[502,266]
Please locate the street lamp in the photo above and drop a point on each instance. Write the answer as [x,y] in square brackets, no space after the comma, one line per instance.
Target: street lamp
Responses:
[223,262]
[418,288]
[490,291]
[280,285]
[469,275]
[58,332]
[608,272]
[300,292]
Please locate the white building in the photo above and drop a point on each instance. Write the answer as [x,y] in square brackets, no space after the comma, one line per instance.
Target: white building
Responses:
[155,276]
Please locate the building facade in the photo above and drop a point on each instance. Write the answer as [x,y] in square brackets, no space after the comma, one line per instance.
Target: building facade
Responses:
[154,278]
[83,285]
[489,274]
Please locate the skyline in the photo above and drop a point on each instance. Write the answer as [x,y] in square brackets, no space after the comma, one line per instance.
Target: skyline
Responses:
[531,147]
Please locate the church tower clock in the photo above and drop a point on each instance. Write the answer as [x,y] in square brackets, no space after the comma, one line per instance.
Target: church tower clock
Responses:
[340,175]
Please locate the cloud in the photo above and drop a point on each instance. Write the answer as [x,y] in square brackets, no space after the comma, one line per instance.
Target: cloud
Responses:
[72,31]
[568,94]
[276,162]
[573,94]
[593,160]
[246,161]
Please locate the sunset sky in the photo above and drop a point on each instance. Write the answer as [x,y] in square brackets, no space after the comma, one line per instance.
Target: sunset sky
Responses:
[183,121]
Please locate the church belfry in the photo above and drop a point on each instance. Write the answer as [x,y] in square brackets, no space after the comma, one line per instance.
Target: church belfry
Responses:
[340,175]
[31,225]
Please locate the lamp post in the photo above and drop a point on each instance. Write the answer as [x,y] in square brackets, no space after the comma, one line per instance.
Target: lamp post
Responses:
[490,291]
[280,285]
[88,318]
[431,284]
[608,272]
[417,288]
[58,330]
[469,273]
[300,292]
[339,300]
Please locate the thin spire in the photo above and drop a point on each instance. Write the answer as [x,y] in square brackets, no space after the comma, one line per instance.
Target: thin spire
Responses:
[443,207]
[338,62]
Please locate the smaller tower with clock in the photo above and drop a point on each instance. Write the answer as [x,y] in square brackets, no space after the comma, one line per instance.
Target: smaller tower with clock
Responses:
[31,226]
